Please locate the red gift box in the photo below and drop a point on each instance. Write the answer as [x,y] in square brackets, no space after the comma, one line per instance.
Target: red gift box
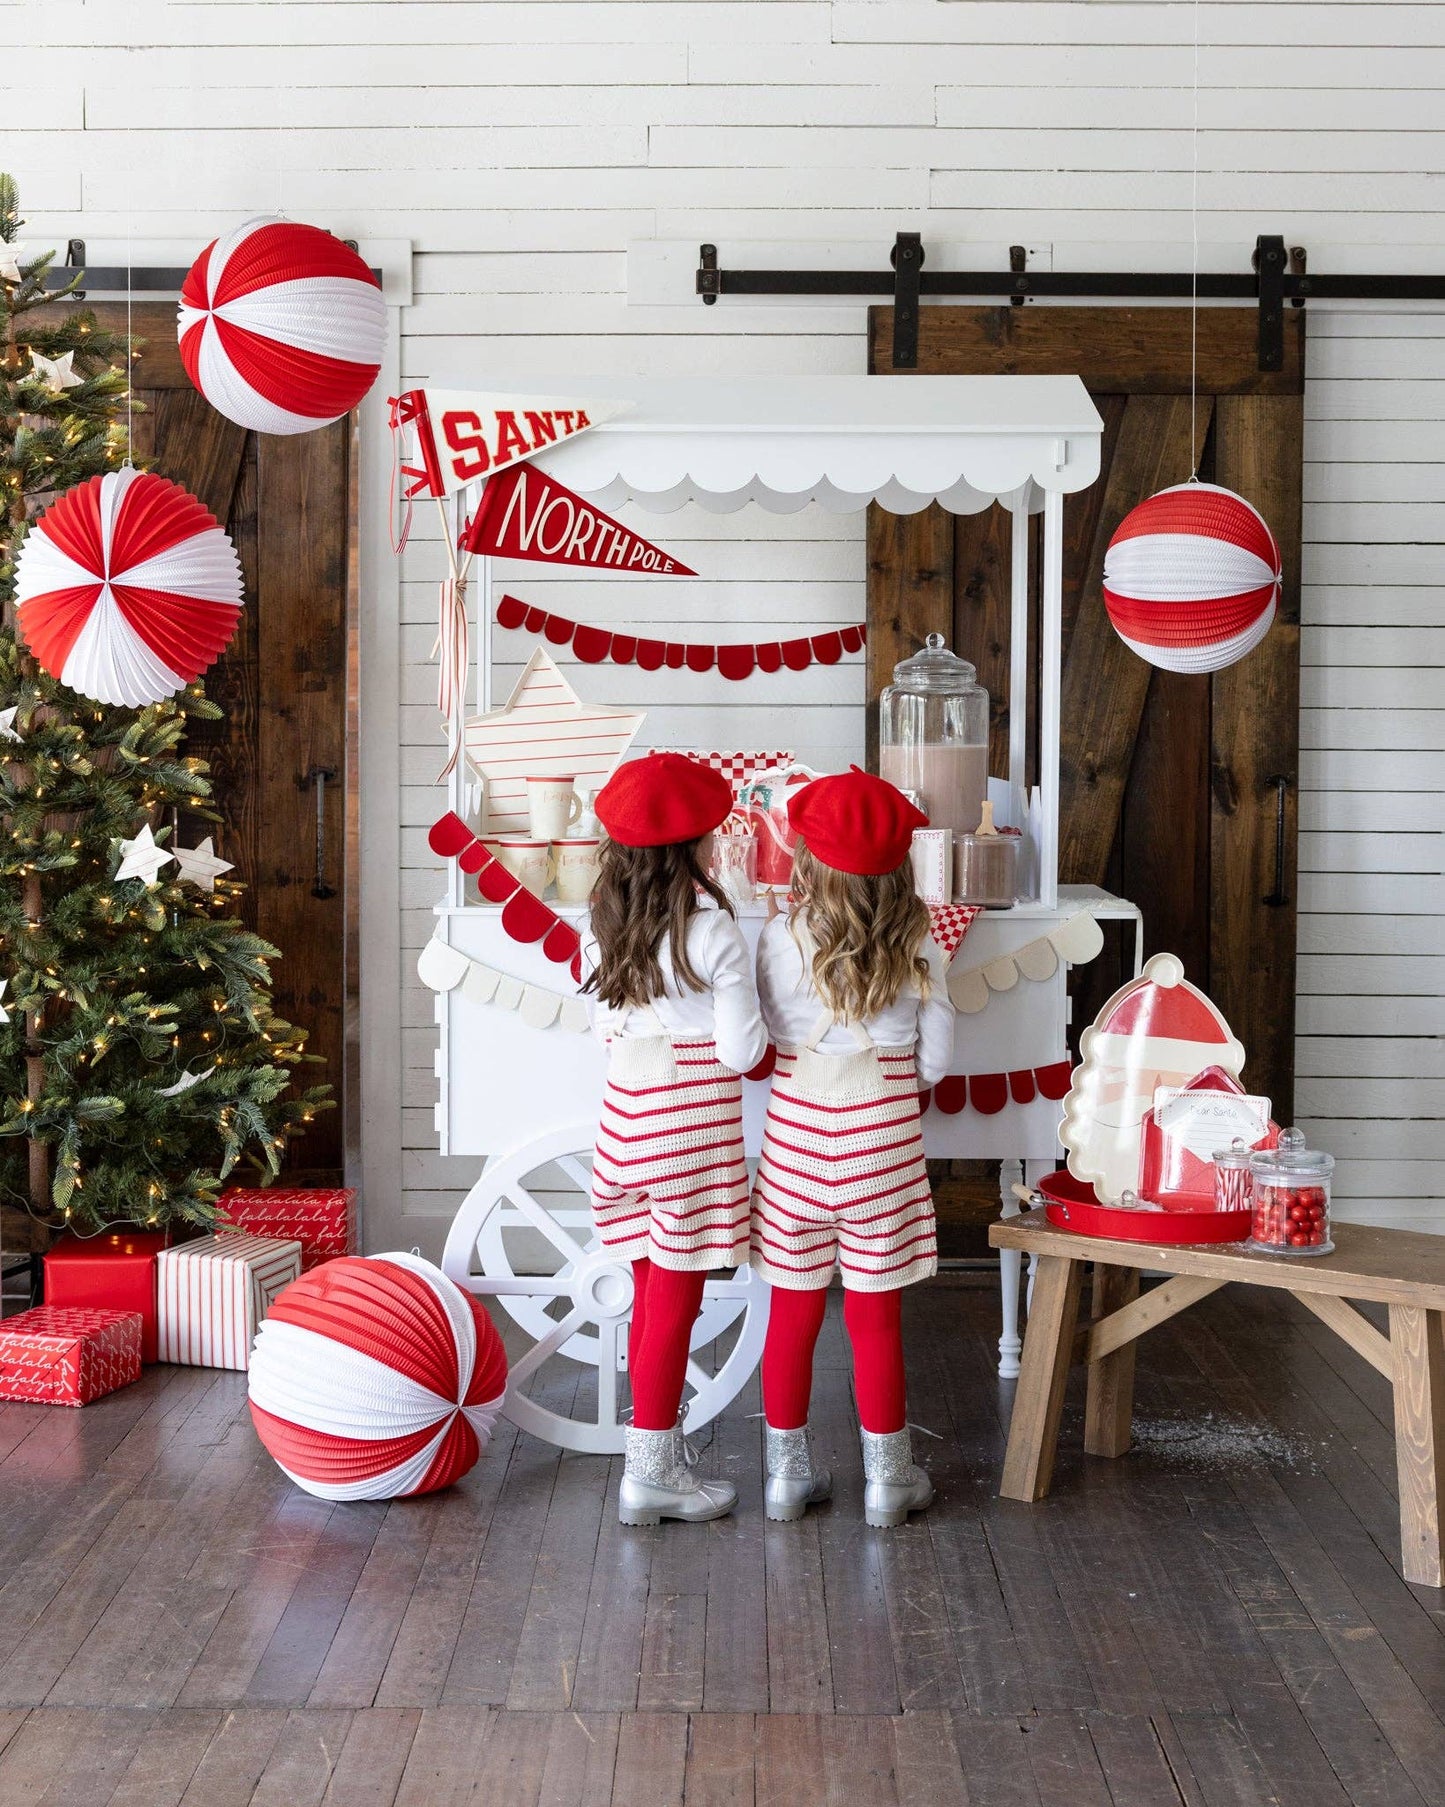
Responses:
[112,1272]
[68,1356]
[321,1218]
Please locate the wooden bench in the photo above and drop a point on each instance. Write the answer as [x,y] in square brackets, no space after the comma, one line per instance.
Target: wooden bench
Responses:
[1396,1268]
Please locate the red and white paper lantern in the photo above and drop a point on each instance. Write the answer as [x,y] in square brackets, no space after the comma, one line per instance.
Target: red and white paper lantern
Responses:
[128,588]
[1191,578]
[281,326]
[374,1377]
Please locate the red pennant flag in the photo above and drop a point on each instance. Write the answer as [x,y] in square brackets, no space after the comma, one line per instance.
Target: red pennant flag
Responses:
[524,513]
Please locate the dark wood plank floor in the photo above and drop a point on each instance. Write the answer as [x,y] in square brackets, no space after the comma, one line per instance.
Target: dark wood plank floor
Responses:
[1216,1618]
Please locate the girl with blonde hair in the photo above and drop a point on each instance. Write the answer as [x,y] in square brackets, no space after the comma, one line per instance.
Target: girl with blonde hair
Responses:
[853,993]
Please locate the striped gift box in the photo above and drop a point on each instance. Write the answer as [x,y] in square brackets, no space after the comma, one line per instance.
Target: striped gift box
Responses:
[212,1294]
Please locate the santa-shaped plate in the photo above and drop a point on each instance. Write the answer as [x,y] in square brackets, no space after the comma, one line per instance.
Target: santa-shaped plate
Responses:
[1071,1204]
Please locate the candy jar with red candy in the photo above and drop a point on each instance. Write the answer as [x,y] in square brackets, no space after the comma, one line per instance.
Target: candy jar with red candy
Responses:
[1291,1198]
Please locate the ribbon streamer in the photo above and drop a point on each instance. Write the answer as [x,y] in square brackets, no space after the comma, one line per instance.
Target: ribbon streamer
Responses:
[738,660]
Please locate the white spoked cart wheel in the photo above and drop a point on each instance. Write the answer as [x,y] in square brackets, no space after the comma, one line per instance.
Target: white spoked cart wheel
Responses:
[580,1312]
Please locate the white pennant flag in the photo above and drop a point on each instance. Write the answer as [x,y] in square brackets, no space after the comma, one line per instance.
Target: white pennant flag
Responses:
[460,436]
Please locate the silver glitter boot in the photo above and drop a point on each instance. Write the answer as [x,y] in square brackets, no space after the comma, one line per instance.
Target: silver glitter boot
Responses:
[896,1484]
[794,1483]
[658,1482]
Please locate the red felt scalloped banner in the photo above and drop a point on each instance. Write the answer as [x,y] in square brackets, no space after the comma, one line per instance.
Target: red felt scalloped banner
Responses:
[524,916]
[738,660]
[988,1093]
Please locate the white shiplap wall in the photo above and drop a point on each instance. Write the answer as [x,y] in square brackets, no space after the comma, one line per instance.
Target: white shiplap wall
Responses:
[522,147]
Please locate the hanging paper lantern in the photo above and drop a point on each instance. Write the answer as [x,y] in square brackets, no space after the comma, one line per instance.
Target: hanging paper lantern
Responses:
[128,588]
[374,1377]
[281,326]
[1191,578]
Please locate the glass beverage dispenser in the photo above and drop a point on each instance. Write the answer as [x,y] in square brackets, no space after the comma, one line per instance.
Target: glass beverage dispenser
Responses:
[933,735]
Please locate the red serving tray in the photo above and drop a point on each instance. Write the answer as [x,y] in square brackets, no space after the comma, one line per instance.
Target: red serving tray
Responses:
[1070,1204]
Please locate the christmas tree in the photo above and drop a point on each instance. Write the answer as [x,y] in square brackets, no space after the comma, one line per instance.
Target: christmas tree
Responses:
[140,1059]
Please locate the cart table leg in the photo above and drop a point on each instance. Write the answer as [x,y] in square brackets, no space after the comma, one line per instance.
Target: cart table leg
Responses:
[1039,1400]
[1109,1409]
[1417,1337]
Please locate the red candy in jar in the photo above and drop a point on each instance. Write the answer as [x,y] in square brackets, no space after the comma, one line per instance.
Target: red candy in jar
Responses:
[1290,1205]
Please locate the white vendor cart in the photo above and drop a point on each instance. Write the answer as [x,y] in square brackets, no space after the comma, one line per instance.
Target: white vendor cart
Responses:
[520,1081]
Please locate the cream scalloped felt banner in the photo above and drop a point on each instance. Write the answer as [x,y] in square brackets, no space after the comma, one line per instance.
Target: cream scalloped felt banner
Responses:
[444,968]
[1076,940]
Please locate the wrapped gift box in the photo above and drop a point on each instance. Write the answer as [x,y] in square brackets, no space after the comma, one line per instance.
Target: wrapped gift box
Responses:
[213,1293]
[321,1219]
[112,1272]
[68,1355]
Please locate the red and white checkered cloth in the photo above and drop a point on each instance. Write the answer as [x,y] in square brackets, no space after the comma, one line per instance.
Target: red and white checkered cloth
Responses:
[740,768]
[949,924]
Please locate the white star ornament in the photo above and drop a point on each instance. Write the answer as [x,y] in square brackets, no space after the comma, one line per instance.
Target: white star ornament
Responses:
[57,374]
[200,865]
[141,858]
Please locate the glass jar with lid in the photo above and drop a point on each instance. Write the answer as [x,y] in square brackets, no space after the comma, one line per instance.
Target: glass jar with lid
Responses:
[933,735]
[1291,1198]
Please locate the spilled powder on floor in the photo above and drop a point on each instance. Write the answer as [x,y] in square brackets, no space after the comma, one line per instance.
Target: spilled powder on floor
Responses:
[1221,1440]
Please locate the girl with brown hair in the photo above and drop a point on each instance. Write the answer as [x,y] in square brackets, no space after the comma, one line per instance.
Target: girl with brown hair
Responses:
[853,993]
[678,1011]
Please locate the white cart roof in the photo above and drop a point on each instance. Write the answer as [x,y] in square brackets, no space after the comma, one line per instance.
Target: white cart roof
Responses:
[840,441]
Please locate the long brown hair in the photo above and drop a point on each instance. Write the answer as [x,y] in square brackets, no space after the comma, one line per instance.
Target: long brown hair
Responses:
[642,894]
[866,932]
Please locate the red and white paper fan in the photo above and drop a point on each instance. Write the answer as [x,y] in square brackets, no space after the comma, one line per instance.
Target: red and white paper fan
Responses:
[281,326]
[1191,578]
[374,1377]
[128,588]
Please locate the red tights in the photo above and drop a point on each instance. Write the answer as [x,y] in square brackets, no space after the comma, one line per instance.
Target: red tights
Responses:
[665,1305]
[875,1330]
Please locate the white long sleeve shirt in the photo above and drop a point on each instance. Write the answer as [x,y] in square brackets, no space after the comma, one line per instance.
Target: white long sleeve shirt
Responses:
[791,1007]
[726,1011]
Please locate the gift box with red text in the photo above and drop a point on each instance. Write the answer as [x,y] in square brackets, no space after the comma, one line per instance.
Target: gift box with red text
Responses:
[55,1355]
[321,1218]
[115,1271]
[212,1294]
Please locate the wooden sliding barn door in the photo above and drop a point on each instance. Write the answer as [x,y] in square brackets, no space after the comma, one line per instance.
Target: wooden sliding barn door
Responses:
[284,684]
[1178,792]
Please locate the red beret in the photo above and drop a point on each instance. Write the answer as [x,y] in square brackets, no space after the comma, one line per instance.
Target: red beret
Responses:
[855,822]
[663,798]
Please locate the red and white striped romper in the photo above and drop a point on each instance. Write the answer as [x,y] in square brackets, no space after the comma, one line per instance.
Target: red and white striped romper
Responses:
[842,1181]
[669,1178]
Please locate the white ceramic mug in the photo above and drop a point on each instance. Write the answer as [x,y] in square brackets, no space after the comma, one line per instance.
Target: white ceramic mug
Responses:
[529,861]
[552,806]
[577,863]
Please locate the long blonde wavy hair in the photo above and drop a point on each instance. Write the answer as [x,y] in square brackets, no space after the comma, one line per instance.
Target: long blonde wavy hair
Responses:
[867,933]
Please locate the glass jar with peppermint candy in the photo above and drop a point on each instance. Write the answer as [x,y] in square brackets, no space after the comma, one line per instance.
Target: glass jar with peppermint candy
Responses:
[1291,1198]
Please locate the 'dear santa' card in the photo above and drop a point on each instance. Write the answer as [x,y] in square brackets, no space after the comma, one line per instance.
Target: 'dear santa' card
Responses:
[1187,1125]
